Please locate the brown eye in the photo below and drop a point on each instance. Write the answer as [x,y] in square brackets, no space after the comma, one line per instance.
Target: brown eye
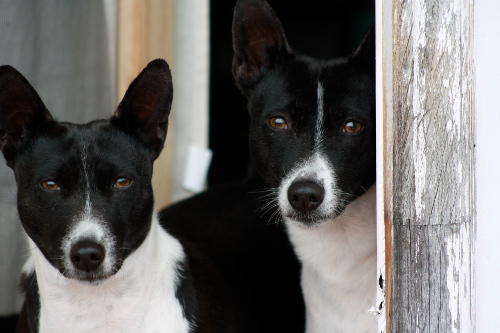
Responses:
[278,123]
[122,182]
[50,185]
[352,126]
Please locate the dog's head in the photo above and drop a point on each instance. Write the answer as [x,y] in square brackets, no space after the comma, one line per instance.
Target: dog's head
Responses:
[312,131]
[84,191]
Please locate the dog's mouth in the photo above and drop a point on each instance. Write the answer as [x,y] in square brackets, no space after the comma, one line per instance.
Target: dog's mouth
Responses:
[88,278]
[309,221]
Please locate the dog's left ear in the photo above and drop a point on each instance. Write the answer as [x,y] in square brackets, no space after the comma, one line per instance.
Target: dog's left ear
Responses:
[364,56]
[144,110]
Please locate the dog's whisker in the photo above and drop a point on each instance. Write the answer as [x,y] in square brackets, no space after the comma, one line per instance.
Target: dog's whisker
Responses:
[271,189]
[277,216]
[266,206]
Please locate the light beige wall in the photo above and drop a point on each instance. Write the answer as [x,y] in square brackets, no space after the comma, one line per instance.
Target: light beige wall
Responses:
[146,32]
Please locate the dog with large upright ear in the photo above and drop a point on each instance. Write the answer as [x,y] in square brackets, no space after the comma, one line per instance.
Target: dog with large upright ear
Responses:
[146,106]
[312,139]
[99,259]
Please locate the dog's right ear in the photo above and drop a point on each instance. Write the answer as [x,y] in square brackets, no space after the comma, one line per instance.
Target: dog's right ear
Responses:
[22,112]
[144,110]
[259,41]
[364,56]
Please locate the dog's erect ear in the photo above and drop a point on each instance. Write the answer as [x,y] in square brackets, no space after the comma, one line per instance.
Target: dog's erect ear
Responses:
[259,41]
[364,56]
[22,112]
[144,110]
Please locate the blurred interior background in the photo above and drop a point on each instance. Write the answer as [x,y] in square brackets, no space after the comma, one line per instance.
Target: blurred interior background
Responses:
[81,56]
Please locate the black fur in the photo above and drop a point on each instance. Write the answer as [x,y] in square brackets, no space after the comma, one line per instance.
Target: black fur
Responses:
[257,271]
[240,274]
[186,292]
[279,82]
[28,319]
[38,149]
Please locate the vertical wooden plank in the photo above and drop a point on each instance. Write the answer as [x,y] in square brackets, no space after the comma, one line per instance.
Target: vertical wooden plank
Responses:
[430,183]
[146,32]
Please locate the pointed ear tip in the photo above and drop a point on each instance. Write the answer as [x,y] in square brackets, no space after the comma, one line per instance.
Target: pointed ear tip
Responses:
[247,8]
[159,63]
[160,66]
[8,69]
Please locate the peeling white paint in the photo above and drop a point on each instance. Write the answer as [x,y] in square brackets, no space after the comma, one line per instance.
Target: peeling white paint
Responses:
[414,23]
[420,163]
[451,280]
[459,172]
[458,279]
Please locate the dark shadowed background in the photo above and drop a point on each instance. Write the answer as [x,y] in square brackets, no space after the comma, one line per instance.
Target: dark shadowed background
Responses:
[319,28]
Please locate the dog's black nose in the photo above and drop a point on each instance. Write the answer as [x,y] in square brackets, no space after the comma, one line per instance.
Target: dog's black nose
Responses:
[305,195]
[87,255]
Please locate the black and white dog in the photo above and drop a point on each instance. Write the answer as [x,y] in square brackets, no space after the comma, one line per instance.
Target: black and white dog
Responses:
[312,138]
[86,203]
[100,259]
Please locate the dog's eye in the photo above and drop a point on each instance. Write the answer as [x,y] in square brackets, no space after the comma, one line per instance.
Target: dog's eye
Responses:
[122,182]
[50,185]
[278,123]
[353,126]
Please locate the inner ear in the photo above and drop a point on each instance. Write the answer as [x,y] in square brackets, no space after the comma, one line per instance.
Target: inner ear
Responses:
[258,40]
[144,110]
[22,111]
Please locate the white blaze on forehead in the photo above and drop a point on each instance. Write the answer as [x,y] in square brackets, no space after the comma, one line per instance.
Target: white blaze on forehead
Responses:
[318,138]
[88,208]
[89,225]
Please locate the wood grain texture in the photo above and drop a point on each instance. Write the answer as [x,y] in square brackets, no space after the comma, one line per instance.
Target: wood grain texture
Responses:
[432,179]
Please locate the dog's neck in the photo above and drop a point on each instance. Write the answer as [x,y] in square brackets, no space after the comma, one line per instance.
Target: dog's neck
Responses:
[335,258]
[140,297]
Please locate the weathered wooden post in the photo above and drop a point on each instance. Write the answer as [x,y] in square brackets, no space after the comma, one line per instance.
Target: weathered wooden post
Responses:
[427,164]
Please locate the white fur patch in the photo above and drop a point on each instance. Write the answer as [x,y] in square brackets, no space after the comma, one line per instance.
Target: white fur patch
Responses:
[339,269]
[140,297]
[29,265]
[320,118]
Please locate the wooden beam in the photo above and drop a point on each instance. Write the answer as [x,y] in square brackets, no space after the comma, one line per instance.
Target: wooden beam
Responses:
[430,187]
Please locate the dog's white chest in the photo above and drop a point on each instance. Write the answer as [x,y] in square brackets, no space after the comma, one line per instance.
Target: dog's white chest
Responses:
[339,270]
[112,311]
[138,298]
